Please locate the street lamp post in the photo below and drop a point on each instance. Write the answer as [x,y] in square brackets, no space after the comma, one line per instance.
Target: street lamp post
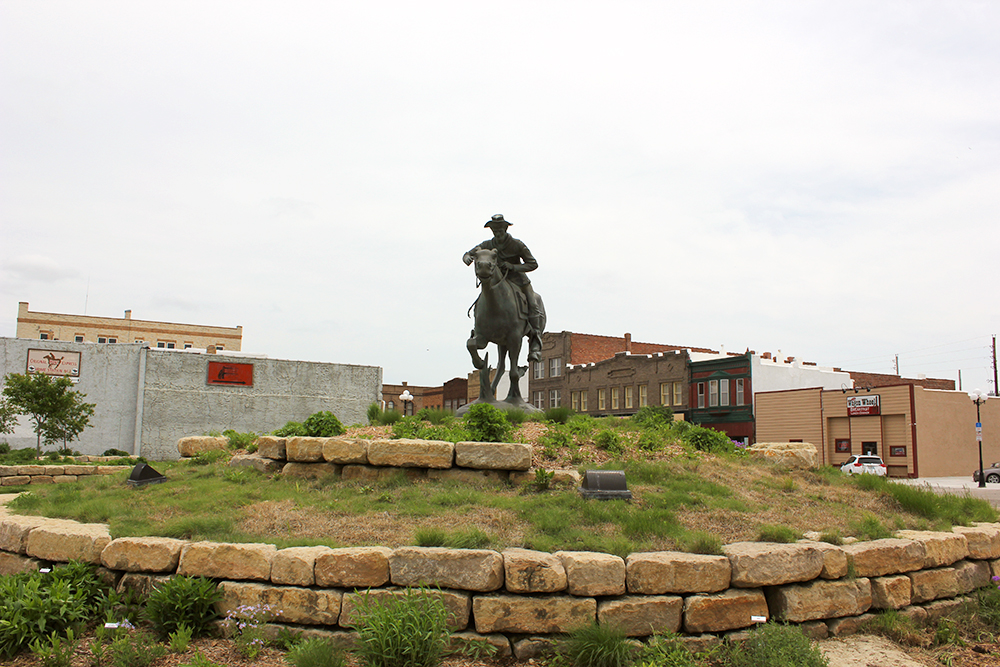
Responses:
[978,397]
[407,397]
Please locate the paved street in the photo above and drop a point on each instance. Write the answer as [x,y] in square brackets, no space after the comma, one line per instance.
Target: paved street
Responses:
[959,485]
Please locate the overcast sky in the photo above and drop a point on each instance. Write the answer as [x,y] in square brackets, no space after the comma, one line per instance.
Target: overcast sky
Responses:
[821,178]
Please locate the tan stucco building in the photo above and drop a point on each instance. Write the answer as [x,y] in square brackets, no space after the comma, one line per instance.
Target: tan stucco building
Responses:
[90,329]
[918,432]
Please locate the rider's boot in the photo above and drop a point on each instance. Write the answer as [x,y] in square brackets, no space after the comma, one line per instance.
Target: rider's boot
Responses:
[535,338]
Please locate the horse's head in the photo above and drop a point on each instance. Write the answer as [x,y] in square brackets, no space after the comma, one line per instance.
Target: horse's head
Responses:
[486,263]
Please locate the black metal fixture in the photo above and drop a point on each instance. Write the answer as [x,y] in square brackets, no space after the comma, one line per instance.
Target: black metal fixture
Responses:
[978,397]
[143,474]
[605,485]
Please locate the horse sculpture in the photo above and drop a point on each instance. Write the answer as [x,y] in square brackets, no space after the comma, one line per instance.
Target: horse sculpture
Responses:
[501,318]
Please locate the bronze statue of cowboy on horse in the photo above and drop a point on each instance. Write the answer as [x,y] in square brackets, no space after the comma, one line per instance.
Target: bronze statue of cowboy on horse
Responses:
[508,308]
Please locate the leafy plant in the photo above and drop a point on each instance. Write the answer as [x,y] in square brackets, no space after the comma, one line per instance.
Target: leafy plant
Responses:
[208,457]
[239,440]
[291,429]
[137,649]
[597,646]
[890,624]
[114,452]
[323,424]
[775,645]
[180,638]
[610,441]
[316,652]
[435,416]
[666,651]
[487,423]
[245,625]
[374,414]
[183,600]
[708,440]
[199,660]
[55,651]
[543,478]
[654,416]
[558,415]
[408,630]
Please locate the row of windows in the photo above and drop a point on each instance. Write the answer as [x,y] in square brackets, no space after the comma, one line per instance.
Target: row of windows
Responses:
[555,368]
[615,398]
[164,344]
[719,391]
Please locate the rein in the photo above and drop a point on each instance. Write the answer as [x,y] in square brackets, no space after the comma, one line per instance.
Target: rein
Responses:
[479,283]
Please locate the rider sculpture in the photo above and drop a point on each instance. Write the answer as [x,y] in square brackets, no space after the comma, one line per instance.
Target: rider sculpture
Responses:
[511,252]
[507,310]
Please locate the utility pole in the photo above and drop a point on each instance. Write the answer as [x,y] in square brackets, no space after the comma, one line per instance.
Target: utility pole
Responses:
[896,364]
[995,389]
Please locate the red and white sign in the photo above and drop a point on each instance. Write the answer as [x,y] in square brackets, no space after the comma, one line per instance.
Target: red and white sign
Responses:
[863,406]
[54,362]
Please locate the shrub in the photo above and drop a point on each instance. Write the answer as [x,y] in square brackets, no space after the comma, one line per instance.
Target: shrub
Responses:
[4,448]
[708,440]
[556,437]
[558,415]
[487,423]
[239,440]
[596,646]
[181,601]
[581,426]
[516,417]
[374,414]
[610,441]
[390,417]
[290,430]
[651,440]
[654,416]
[775,645]
[115,452]
[316,652]
[436,416]
[666,651]
[780,534]
[407,427]
[136,650]
[55,651]
[409,630]
[323,424]
[208,457]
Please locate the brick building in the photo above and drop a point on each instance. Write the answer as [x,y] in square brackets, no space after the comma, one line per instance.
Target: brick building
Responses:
[721,395]
[90,329]
[450,396]
[627,382]
[565,352]
[862,379]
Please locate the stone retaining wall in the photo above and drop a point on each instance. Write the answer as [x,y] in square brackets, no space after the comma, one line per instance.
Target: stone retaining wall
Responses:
[370,460]
[52,474]
[520,600]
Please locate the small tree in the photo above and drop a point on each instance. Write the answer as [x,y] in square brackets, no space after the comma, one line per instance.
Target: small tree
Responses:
[8,416]
[56,410]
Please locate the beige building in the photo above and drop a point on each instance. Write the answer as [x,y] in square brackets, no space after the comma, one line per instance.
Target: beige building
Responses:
[918,432]
[89,329]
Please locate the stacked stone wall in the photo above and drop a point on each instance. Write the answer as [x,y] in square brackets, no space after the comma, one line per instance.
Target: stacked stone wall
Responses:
[19,475]
[520,600]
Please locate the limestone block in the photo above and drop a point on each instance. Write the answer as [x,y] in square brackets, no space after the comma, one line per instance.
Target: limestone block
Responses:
[468,476]
[14,531]
[893,592]
[941,582]
[815,630]
[142,554]
[8,471]
[310,470]
[66,541]
[271,447]
[139,583]
[983,540]
[820,599]
[915,613]
[196,444]
[64,479]
[353,567]
[339,639]
[345,450]
[995,568]
[458,605]
[464,569]
[219,560]
[889,556]
[289,604]
[493,455]
[464,643]
[794,455]
[304,450]
[589,573]
[756,564]
[14,563]
[841,627]
[407,453]
[940,548]
[527,571]
[834,560]
[255,461]
[729,610]
[32,470]
[360,473]
[566,477]
[938,609]
[15,480]
[659,572]
[972,574]
[642,615]
[41,479]
[700,643]
[78,470]
[296,566]
[111,470]
[535,614]
[529,648]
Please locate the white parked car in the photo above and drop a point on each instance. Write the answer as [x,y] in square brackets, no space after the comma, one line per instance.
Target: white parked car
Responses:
[864,463]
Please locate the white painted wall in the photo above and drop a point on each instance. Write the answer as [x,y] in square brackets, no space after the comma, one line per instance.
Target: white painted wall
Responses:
[771,375]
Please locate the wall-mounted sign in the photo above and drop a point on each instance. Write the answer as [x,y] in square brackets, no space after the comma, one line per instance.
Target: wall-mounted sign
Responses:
[224,372]
[862,406]
[54,362]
